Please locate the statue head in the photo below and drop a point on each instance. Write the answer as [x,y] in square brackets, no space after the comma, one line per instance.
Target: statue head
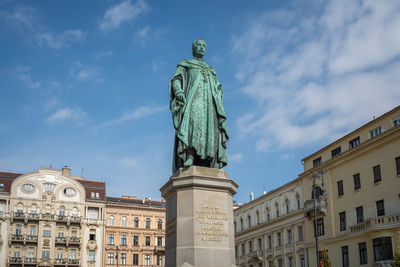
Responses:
[199,48]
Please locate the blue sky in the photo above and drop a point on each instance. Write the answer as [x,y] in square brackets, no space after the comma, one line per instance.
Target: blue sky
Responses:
[85,83]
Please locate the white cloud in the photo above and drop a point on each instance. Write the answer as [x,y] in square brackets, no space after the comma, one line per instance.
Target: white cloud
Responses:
[75,115]
[313,76]
[24,75]
[83,72]
[26,20]
[138,113]
[122,12]
[238,157]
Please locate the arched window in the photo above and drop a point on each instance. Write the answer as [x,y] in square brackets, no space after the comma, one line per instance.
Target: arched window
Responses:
[159,224]
[277,209]
[136,222]
[148,222]
[123,221]
[268,214]
[258,217]
[298,202]
[111,220]
[234,226]
[241,224]
[249,221]
[61,212]
[287,206]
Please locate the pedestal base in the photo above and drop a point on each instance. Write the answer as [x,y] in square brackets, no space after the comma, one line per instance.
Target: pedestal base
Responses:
[199,229]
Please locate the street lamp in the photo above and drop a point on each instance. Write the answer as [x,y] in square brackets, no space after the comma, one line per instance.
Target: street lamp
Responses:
[315,176]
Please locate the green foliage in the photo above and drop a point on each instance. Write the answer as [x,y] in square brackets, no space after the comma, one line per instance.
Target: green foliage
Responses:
[324,258]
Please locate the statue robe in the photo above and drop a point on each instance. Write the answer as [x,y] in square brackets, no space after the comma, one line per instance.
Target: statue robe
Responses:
[201,123]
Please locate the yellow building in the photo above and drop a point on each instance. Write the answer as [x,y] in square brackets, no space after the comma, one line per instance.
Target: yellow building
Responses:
[270,229]
[49,218]
[358,207]
[135,232]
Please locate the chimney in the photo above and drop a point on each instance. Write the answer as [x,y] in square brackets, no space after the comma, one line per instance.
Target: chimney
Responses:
[66,171]
[251,196]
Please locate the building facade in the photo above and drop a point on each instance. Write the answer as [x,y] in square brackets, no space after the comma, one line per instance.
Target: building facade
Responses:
[49,218]
[358,201]
[269,231]
[135,232]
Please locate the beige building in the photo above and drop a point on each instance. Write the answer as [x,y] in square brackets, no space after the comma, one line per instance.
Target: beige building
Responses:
[49,218]
[134,232]
[359,218]
[270,229]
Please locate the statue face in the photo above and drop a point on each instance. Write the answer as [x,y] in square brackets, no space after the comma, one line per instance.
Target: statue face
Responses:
[199,48]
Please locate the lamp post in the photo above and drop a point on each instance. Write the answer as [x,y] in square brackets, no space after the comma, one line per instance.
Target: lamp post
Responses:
[315,176]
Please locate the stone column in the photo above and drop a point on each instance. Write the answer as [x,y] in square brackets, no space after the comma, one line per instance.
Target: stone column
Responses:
[199,228]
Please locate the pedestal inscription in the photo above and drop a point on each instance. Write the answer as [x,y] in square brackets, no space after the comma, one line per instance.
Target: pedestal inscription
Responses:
[199,229]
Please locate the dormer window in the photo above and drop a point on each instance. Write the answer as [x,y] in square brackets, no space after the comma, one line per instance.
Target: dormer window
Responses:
[396,122]
[317,162]
[48,187]
[375,132]
[1,186]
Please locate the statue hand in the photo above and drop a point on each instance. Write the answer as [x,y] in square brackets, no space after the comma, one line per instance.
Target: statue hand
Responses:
[180,97]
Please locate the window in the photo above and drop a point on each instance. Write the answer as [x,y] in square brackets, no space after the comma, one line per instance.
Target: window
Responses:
[375,132]
[92,235]
[147,240]
[111,239]
[69,191]
[18,229]
[1,186]
[362,247]
[45,254]
[159,241]
[302,261]
[298,203]
[397,165]
[250,246]
[123,221]
[259,241]
[355,142]
[248,221]
[91,255]
[17,254]
[147,259]
[72,254]
[28,188]
[336,152]
[234,227]
[159,260]
[340,188]
[258,217]
[48,187]
[110,258]
[290,261]
[345,256]
[242,249]
[287,206]
[380,208]
[241,224]
[92,213]
[148,222]
[136,222]
[396,122]
[32,230]
[383,248]
[236,252]
[357,182]
[61,212]
[300,232]
[289,236]
[278,239]
[377,173]
[268,215]
[123,240]
[123,258]
[342,221]
[317,162]
[135,259]
[277,211]
[269,242]
[320,227]
[111,220]
[280,263]
[46,233]
[159,224]
[136,240]
[360,214]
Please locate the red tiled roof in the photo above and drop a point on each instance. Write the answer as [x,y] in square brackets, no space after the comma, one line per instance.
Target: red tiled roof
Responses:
[6,178]
[95,187]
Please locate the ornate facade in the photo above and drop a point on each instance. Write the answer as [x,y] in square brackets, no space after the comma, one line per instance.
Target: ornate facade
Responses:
[270,229]
[134,232]
[49,218]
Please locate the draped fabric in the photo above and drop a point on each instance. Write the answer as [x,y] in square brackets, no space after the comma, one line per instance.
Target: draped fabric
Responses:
[201,123]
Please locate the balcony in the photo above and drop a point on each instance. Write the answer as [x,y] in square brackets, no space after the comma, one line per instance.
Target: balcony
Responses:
[159,249]
[61,218]
[17,238]
[30,261]
[33,217]
[15,260]
[31,239]
[73,240]
[47,217]
[75,219]
[61,240]
[256,256]
[321,205]
[376,223]
[60,262]
[17,216]
[387,263]
[73,262]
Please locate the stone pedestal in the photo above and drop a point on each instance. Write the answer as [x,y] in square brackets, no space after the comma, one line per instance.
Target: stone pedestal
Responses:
[199,229]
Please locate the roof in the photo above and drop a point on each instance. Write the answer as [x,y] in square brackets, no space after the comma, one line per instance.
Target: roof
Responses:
[6,178]
[129,201]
